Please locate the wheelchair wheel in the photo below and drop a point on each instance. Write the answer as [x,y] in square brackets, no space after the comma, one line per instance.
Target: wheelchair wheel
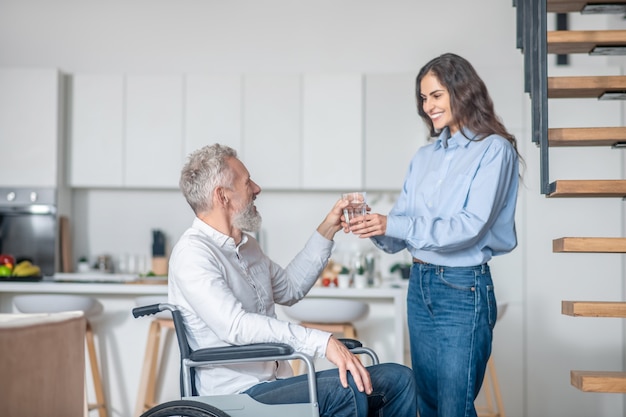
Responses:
[184,408]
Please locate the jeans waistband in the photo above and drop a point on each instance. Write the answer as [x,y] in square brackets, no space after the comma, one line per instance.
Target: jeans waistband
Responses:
[420,262]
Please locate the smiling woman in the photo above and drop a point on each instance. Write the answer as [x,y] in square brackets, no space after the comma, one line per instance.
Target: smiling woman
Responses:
[456,211]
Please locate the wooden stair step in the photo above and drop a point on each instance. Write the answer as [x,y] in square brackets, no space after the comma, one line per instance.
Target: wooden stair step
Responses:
[585,86]
[567,6]
[599,381]
[583,41]
[615,309]
[588,188]
[589,245]
[586,136]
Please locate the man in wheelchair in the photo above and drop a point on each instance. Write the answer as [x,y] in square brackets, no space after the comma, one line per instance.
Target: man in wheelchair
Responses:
[227,289]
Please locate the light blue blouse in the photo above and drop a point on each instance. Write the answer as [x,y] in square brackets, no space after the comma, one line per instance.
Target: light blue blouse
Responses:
[457,205]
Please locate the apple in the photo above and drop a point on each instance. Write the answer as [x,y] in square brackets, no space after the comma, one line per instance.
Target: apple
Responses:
[7,260]
[5,271]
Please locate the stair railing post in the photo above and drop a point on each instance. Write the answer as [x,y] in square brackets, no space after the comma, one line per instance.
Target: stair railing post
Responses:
[539,86]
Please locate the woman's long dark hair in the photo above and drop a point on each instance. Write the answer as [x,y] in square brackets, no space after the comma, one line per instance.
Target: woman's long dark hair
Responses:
[470,103]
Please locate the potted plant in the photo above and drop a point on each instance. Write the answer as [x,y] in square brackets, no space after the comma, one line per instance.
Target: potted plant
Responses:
[403,267]
[359,277]
[83,264]
[343,278]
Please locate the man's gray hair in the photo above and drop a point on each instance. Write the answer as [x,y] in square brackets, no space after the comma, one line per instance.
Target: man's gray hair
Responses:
[205,170]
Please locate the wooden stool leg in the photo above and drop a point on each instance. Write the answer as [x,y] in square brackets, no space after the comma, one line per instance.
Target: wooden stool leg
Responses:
[496,387]
[489,411]
[491,392]
[146,396]
[95,373]
[148,370]
[349,331]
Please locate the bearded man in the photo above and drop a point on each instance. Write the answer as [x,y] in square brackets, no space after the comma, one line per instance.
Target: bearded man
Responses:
[227,289]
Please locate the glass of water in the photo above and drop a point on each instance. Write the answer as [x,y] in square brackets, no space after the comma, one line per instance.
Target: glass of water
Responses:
[357,206]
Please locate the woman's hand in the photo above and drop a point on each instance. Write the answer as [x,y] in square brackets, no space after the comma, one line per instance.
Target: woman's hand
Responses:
[338,354]
[369,225]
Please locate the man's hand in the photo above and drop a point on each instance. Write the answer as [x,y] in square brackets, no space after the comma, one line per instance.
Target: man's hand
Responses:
[338,354]
[332,222]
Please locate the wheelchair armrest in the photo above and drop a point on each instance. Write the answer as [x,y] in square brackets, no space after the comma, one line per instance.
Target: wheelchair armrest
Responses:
[255,350]
[357,348]
[351,343]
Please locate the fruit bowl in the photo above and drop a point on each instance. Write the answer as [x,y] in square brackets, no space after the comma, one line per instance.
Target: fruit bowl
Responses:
[327,310]
[21,279]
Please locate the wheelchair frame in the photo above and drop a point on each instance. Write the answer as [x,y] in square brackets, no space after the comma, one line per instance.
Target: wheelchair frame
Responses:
[234,405]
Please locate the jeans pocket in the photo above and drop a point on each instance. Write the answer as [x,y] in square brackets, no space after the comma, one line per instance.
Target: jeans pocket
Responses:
[462,279]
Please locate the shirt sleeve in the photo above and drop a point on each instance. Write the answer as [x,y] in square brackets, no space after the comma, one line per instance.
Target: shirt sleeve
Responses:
[219,314]
[486,194]
[296,280]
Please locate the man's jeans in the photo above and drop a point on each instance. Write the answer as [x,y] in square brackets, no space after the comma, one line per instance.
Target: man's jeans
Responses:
[451,315]
[394,393]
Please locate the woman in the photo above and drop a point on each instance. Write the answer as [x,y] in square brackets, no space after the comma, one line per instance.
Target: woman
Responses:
[456,210]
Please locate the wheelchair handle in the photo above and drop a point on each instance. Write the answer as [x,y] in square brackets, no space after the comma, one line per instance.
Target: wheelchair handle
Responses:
[152,309]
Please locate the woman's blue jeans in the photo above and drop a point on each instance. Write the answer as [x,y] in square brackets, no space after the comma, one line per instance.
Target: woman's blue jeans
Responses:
[394,393]
[451,315]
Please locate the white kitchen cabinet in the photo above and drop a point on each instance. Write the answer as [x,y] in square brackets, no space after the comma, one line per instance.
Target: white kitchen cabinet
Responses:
[332,147]
[153,152]
[393,129]
[272,130]
[212,111]
[30,128]
[97,131]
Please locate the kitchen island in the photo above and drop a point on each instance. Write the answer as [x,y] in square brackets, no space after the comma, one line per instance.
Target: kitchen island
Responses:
[121,338]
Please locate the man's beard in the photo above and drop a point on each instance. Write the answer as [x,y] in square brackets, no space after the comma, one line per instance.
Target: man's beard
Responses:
[248,219]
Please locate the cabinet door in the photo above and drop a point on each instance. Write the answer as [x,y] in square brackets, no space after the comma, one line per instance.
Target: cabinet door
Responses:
[332,147]
[393,129]
[97,131]
[29,127]
[271,128]
[212,111]
[154,125]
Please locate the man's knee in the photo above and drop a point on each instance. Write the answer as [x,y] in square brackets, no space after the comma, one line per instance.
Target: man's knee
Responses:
[393,374]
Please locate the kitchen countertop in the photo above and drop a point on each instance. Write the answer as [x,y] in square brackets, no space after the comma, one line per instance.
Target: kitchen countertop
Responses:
[137,288]
[392,292]
[159,287]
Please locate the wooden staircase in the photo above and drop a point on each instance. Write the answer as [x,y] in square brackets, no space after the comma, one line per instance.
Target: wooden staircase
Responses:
[596,381]
[537,43]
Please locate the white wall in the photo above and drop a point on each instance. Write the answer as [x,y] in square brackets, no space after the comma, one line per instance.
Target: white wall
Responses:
[535,346]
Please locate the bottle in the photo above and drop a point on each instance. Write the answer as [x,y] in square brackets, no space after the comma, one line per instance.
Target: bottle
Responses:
[159,261]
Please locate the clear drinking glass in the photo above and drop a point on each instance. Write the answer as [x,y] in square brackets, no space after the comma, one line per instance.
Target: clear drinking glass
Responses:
[357,206]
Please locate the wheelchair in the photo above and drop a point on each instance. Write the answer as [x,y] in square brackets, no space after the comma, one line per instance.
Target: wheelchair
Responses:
[234,405]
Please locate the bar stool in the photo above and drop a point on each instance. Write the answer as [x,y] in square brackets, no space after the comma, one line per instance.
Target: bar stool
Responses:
[333,315]
[491,385]
[90,307]
[162,324]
